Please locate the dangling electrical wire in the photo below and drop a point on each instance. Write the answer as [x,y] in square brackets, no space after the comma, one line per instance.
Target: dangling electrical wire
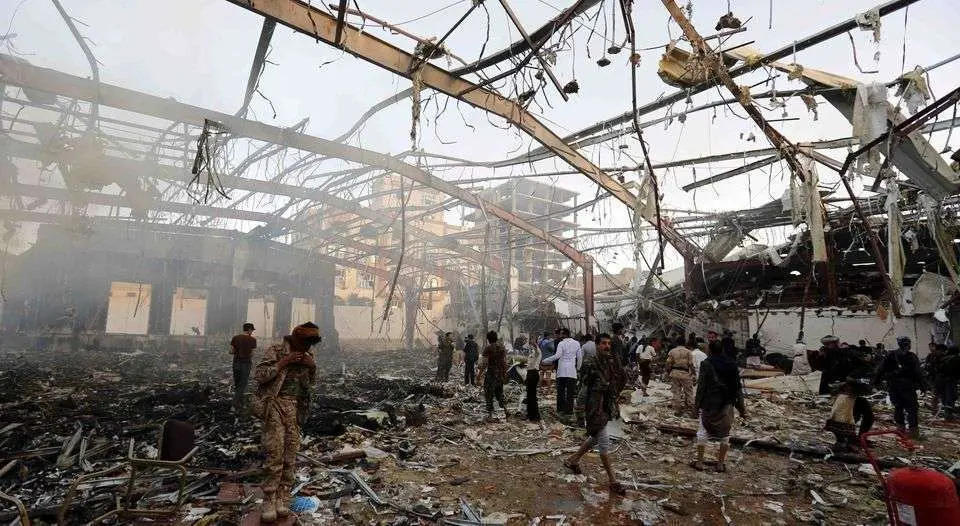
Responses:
[626,6]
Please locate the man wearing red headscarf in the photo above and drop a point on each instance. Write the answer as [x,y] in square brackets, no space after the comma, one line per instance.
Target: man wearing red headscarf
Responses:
[287,372]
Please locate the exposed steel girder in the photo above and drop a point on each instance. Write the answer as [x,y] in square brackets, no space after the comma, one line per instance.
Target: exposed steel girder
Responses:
[25,75]
[715,61]
[315,23]
[68,221]
[129,168]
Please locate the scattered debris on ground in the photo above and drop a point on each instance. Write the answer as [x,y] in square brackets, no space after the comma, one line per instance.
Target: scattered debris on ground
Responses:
[399,449]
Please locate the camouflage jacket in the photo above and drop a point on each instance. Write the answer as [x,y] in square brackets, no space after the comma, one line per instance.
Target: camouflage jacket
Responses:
[298,377]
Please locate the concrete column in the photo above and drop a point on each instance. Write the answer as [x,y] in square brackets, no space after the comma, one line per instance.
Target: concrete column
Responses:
[226,310]
[322,284]
[410,304]
[282,314]
[161,308]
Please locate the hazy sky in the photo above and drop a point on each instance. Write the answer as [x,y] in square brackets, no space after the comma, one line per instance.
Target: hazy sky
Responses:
[199,52]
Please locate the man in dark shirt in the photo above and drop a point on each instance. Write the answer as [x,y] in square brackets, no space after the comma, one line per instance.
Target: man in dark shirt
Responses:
[471,353]
[493,367]
[901,371]
[242,347]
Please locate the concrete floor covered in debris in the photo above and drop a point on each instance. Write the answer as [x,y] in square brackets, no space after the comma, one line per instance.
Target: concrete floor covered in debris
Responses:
[508,471]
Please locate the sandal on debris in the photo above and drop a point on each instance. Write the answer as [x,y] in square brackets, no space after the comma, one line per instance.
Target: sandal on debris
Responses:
[575,468]
[617,489]
[697,465]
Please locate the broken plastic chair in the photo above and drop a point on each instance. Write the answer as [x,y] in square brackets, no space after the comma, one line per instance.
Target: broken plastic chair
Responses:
[176,449]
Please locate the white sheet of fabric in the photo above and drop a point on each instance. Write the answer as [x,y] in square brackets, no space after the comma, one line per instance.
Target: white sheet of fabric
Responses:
[869,122]
[895,256]
[814,209]
[801,365]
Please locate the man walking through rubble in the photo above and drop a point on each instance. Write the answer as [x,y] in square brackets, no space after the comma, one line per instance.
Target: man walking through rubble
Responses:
[645,356]
[569,357]
[493,368]
[679,370]
[471,353]
[718,393]
[242,347]
[901,371]
[284,378]
[603,379]
[444,357]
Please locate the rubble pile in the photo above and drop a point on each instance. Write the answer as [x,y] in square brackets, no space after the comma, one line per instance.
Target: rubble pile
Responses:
[398,448]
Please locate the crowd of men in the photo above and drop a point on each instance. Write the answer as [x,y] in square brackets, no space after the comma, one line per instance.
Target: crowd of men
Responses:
[591,372]
[588,372]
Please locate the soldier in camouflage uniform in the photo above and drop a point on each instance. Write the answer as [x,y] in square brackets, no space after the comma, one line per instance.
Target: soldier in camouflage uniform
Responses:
[292,364]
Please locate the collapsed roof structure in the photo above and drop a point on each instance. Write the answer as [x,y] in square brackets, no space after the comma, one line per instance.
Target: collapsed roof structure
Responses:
[111,156]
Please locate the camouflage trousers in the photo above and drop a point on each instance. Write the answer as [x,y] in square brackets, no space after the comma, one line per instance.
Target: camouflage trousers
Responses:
[681,385]
[281,442]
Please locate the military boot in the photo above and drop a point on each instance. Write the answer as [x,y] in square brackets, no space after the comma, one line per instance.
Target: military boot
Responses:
[268,511]
[283,501]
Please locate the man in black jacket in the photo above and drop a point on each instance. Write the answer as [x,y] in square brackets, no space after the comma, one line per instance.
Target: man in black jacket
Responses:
[901,371]
[471,353]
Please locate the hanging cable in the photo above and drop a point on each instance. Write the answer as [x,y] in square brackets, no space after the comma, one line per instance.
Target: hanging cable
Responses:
[626,6]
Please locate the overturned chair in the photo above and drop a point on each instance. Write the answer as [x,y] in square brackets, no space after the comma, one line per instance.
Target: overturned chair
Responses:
[176,449]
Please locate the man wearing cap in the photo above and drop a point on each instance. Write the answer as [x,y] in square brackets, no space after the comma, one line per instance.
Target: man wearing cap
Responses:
[242,347]
[901,370]
[289,370]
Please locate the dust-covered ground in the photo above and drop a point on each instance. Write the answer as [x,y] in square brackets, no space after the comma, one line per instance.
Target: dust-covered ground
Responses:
[422,450]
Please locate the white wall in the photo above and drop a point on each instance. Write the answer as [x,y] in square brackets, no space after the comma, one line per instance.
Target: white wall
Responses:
[353,322]
[779,331]
[128,311]
[189,311]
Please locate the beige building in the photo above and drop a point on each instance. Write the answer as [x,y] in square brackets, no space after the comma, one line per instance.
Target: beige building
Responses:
[361,295]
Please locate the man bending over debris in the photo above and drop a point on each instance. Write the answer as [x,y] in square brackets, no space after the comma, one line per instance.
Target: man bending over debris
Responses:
[901,370]
[284,378]
[242,347]
[603,380]
[849,408]
[718,392]
[493,368]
